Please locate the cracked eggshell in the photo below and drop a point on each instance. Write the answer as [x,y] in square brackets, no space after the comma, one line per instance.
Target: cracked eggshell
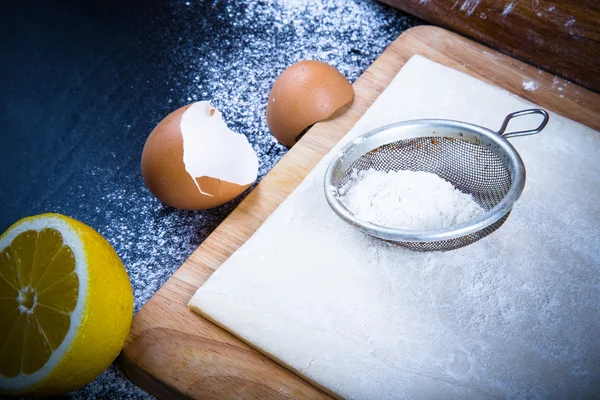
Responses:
[192,161]
[305,93]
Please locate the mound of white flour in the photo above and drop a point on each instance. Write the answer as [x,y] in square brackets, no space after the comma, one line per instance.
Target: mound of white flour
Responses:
[407,199]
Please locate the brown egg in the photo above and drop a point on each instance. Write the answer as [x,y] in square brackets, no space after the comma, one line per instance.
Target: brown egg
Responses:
[197,163]
[305,93]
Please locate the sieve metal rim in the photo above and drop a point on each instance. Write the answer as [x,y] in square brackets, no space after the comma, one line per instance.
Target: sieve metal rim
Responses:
[495,141]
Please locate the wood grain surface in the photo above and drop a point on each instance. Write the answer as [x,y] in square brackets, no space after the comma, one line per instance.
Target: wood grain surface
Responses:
[562,37]
[175,353]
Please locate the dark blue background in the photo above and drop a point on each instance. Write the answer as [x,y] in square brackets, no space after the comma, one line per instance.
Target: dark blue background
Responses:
[84,84]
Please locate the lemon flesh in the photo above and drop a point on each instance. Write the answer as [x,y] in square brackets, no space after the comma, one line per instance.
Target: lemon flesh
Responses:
[38,292]
[65,305]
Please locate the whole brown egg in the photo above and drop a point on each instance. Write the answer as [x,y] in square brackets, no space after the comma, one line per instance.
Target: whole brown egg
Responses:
[192,161]
[305,93]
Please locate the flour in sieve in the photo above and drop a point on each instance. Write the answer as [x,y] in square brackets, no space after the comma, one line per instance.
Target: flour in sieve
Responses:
[407,199]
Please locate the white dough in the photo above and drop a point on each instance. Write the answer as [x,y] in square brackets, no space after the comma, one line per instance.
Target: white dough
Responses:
[514,315]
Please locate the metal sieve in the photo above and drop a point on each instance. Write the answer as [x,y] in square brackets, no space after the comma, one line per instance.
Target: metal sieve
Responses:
[474,159]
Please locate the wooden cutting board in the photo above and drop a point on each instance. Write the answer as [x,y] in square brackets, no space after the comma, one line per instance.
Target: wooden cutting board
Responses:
[174,353]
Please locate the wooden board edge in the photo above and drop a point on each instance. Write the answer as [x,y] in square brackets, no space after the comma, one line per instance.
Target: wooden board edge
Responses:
[148,382]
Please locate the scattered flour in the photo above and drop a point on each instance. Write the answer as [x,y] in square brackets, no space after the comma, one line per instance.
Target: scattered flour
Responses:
[407,199]
[235,66]
[469,6]
[508,9]
[530,86]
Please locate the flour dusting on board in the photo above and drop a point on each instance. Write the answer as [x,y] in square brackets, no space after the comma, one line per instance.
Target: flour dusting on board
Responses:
[407,199]
[530,86]
[509,7]
[469,6]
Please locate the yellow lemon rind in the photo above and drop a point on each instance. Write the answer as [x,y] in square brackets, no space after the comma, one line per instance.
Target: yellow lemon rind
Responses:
[100,321]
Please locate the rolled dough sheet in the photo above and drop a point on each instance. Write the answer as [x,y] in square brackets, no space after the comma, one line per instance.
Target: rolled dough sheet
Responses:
[516,314]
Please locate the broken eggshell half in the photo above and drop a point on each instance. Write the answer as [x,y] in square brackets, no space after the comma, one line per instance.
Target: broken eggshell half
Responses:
[193,161]
[305,93]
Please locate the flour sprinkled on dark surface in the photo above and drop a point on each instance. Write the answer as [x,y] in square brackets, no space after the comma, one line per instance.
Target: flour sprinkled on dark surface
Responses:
[86,82]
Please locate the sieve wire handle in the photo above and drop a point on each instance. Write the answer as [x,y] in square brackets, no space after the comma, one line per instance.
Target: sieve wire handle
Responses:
[502,132]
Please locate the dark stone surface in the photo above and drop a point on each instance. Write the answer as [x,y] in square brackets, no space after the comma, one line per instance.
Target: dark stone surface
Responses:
[84,83]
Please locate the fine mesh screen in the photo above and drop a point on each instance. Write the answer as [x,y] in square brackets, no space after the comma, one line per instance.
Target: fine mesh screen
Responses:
[471,168]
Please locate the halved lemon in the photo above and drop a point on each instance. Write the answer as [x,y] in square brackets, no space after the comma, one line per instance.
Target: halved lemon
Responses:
[66,305]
